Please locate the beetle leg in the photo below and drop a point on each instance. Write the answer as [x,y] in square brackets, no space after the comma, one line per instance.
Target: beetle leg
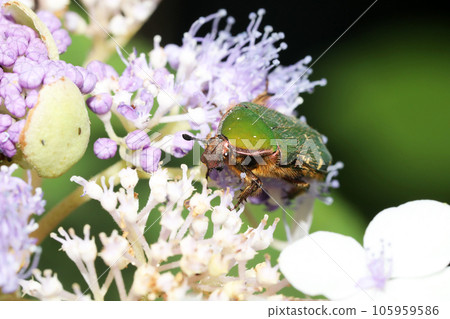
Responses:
[263,97]
[253,184]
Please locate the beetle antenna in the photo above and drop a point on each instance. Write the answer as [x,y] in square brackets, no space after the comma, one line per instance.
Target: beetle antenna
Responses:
[188,137]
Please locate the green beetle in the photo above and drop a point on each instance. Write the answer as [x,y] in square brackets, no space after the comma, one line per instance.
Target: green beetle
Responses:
[255,141]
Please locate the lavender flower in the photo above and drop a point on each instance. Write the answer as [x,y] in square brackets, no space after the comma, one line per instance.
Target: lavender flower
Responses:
[224,69]
[18,203]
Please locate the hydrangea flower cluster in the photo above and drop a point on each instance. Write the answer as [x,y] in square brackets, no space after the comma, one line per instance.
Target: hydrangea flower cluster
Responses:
[203,249]
[25,67]
[18,204]
[192,257]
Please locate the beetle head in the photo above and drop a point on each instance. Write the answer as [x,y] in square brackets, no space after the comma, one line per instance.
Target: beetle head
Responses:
[215,151]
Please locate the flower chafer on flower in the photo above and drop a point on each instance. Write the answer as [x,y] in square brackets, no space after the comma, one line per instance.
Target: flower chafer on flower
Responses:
[18,204]
[207,75]
[219,70]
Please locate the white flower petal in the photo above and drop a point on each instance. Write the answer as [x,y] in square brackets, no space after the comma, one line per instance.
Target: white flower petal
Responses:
[369,295]
[324,263]
[434,287]
[415,235]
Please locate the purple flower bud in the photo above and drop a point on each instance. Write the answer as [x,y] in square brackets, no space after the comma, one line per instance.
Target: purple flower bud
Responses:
[15,129]
[150,157]
[8,54]
[5,122]
[9,84]
[7,147]
[20,32]
[101,70]
[55,71]
[31,73]
[137,139]
[15,104]
[100,103]
[127,111]
[19,44]
[62,40]
[105,148]
[180,146]
[75,75]
[89,80]
[50,20]
[37,51]
[32,98]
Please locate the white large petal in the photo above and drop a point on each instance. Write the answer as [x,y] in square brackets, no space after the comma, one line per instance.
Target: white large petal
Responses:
[434,287]
[324,263]
[415,235]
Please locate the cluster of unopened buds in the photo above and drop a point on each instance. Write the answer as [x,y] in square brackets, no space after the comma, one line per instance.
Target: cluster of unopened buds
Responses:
[42,95]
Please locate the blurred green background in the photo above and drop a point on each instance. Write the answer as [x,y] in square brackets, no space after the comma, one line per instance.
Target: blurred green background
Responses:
[385,109]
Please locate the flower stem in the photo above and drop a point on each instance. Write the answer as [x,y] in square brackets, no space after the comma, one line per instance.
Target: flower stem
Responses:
[169,266]
[75,199]
[119,283]
[275,288]
[133,238]
[11,297]
[251,218]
